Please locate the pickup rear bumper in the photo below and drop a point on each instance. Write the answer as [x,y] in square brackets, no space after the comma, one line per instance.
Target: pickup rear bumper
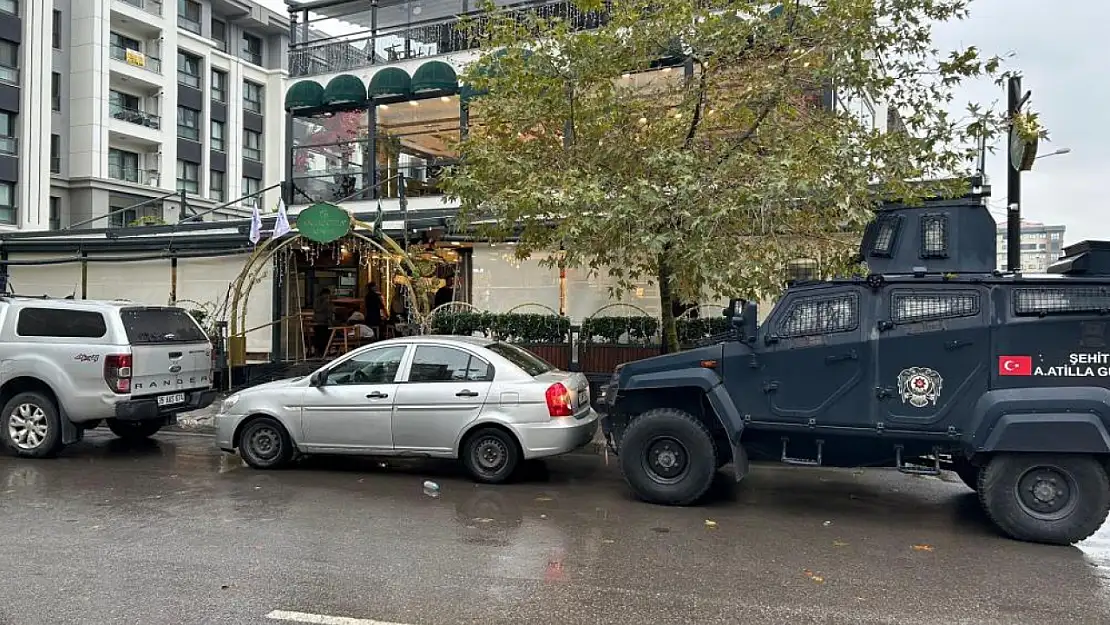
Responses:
[147,408]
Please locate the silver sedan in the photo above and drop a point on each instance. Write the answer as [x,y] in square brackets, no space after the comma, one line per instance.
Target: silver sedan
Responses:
[488,404]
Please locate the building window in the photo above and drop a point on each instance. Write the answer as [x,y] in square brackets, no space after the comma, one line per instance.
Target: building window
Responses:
[252,49]
[219,141]
[252,96]
[7,203]
[219,34]
[8,143]
[56,30]
[250,187]
[188,177]
[219,85]
[252,145]
[9,62]
[9,6]
[55,213]
[123,165]
[217,186]
[188,15]
[188,123]
[55,91]
[55,154]
[188,70]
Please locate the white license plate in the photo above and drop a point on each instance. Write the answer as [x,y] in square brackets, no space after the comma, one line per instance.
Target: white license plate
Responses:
[170,400]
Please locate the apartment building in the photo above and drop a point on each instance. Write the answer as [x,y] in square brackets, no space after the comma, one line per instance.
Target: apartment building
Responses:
[107,104]
[1041,245]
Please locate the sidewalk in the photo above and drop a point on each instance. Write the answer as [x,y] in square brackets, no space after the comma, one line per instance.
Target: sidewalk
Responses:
[204,422]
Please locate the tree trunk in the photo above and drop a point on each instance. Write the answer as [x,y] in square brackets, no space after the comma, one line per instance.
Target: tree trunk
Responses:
[666,305]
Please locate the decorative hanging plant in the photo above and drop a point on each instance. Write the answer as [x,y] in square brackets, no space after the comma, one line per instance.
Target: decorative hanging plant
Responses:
[1027,133]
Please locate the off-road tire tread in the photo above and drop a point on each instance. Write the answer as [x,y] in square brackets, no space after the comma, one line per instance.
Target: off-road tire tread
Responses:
[1093,483]
[708,458]
[48,450]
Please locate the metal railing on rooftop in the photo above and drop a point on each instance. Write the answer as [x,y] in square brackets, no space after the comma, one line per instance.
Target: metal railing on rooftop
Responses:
[420,39]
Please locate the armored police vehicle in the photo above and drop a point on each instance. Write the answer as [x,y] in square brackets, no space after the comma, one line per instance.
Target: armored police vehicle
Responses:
[934,360]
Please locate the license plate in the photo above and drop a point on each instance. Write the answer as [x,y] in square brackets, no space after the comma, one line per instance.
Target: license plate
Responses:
[170,400]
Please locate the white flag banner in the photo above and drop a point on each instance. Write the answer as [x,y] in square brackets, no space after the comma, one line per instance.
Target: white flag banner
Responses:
[256,224]
[281,224]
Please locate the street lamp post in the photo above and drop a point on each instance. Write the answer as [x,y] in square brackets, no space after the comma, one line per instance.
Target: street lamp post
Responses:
[1013,178]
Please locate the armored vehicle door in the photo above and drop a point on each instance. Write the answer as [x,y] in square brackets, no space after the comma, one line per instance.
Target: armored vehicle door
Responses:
[813,359]
[933,355]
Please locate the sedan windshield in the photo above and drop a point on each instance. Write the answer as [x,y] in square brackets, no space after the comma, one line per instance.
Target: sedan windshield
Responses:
[531,364]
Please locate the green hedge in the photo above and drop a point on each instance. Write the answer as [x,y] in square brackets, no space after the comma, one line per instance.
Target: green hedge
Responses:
[513,327]
[538,328]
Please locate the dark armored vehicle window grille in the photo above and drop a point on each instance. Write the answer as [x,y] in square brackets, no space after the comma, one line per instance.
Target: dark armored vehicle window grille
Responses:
[934,236]
[821,315]
[1061,300]
[886,232]
[916,307]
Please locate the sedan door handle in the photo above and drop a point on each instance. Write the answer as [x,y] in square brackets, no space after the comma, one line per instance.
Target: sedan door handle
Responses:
[466,393]
[377,395]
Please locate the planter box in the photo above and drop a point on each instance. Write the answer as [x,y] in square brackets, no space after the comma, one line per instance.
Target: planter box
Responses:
[603,359]
[557,354]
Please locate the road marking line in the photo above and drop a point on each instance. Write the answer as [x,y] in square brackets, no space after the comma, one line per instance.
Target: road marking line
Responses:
[323,619]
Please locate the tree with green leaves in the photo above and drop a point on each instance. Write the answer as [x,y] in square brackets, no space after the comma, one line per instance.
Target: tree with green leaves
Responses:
[692,143]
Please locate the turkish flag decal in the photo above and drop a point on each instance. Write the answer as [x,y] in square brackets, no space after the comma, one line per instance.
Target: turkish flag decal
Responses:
[1015,365]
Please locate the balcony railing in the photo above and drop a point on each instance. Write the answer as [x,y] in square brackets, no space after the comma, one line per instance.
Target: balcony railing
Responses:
[420,181]
[134,116]
[188,23]
[55,164]
[154,7]
[9,146]
[135,58]
[9,75]
[422,39]
[123,172]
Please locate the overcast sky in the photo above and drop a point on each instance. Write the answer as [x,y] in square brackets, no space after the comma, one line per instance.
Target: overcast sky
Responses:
[1061,49]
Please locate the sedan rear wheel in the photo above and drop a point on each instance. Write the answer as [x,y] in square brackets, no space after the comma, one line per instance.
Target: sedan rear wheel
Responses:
[490,455]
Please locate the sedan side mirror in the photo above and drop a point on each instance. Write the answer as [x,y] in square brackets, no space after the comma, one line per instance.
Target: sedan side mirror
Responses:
[318,379]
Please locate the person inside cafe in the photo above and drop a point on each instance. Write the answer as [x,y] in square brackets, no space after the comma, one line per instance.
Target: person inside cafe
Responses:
[446,293]
[323,314]
[375,309]
[360,331]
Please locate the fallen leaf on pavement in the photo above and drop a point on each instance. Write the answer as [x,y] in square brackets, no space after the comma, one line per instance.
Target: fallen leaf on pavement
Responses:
[483,520]
[543,498]
[839,543]
[607,541]
[818,579]
[827,523]
[710,524]
[922,547]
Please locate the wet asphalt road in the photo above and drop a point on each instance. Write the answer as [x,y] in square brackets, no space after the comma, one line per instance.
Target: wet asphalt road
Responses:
[174,532]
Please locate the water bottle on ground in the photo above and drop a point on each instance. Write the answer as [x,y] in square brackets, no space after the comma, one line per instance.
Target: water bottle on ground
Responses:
[431,489]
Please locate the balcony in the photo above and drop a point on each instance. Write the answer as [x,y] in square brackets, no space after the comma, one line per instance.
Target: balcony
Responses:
[134,116]
[414,40]
[154,7]
[135,58]
[9,75]
[9,146]
[188,23]
[123,172]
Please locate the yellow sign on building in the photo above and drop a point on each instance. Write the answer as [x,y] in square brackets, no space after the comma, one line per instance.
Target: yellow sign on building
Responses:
[136,58]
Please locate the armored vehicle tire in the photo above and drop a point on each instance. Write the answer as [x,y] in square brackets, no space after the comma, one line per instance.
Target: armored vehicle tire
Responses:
[134,430]
[30,426]
[1055,499]
[264,444]
[668,457]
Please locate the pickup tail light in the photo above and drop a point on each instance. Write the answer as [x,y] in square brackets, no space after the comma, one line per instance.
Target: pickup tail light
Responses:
[117,372]
[559,401]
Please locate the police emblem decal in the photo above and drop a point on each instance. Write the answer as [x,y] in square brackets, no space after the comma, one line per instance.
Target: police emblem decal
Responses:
[919,386]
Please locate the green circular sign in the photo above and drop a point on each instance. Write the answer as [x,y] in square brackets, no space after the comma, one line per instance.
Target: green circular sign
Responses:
[323,222]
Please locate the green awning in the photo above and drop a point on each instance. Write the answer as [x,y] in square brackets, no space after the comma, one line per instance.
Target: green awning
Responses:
[304,95]
[345,90]
[435,76]
[391,82]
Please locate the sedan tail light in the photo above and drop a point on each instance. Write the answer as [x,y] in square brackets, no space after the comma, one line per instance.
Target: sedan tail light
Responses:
[117,372]
[559,401]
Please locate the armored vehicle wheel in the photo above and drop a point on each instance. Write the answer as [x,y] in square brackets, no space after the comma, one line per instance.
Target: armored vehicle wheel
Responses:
[134,430]
[1055,499]
[668,457]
